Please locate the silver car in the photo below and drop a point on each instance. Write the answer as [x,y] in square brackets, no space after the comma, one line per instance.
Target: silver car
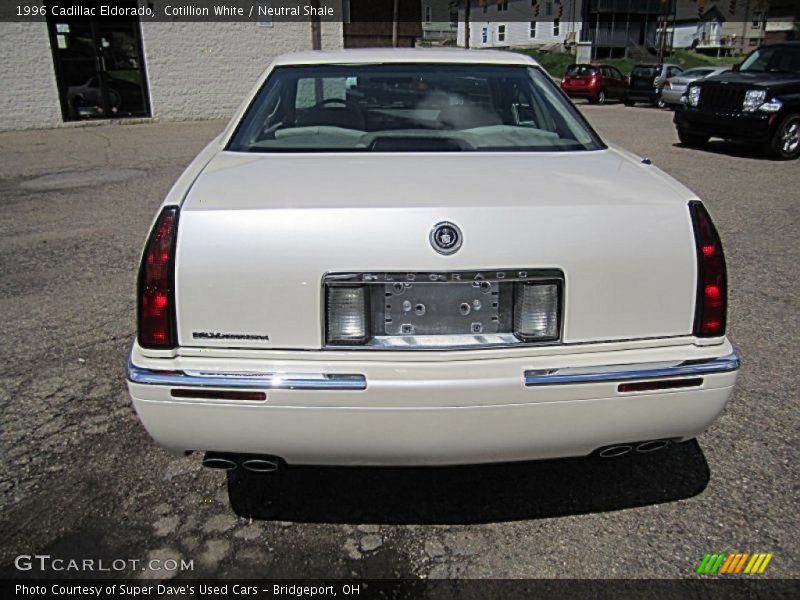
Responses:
[675,87]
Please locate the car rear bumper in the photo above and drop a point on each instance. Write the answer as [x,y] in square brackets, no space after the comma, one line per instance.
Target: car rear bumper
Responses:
[436,413]
[580,92]
[649,96]
[673,96]
[756,128]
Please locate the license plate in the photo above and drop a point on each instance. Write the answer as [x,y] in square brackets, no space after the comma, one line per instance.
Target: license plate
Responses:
[445,308]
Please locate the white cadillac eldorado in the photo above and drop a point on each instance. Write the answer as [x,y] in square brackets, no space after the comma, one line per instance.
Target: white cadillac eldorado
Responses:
[420,257]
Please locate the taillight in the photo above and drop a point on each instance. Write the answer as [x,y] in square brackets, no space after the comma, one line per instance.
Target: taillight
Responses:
[712,284]
[156,284]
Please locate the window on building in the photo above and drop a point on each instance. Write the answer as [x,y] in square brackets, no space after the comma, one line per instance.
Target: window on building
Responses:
[501,33]
[427,14]
[502,5]
[453,18]
[548,8]
[485,35]
[533,29]
[556,27]
[756,20]
[754,41]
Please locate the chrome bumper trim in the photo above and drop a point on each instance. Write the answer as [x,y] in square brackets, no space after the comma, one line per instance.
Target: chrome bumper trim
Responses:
[246,380]
[614,373]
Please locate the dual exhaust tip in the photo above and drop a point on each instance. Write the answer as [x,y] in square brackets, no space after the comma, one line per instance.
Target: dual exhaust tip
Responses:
[639,448]
[269,464]
[249,462]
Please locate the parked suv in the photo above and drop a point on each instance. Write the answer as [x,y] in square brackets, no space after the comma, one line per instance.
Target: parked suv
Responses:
[758,102]
[647,83]
[597,83]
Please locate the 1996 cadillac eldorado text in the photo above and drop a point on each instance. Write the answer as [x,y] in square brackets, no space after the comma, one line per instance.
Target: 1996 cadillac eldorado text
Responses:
[419,257]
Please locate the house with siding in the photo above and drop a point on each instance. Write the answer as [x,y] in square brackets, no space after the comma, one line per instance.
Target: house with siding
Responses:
[520,23]
[439,22]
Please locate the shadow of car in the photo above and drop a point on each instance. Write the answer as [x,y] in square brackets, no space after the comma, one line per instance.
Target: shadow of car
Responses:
[470,494]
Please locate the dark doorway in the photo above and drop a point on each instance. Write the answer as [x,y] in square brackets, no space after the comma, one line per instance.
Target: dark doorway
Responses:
[99,67]
[370,23]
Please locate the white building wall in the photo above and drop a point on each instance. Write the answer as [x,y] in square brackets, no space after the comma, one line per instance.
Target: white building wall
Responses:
[517,21]
[194,70]
[203,70]
[517,34]
[28,89]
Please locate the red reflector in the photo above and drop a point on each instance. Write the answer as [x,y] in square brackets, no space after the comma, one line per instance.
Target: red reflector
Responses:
[712,283]
[648,386]
[156,300]
[218,395]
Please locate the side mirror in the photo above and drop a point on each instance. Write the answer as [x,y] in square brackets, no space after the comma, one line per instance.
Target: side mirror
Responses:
[735,68]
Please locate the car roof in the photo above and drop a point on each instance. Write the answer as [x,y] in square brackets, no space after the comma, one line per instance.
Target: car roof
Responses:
[404,55]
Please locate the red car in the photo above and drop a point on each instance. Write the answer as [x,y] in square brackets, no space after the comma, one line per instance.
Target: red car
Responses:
[598,83]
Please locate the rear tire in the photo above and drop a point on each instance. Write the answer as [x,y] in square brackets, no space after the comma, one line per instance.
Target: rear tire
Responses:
[692,140]
[785,142]
[660,103]
[627,102]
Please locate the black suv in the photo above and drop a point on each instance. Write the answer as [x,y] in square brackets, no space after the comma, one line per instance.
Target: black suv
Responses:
[757,102]
[647,82]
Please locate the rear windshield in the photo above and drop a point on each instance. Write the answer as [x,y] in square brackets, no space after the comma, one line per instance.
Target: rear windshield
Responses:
[411,108]
[581,70]
[645,72]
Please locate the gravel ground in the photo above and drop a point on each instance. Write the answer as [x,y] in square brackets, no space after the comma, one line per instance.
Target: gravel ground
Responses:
[80,477]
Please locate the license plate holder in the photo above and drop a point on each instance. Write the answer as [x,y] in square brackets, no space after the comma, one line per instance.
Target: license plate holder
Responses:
[443,308]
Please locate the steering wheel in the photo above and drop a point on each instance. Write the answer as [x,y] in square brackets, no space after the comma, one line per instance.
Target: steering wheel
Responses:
[327,101]
[357,120]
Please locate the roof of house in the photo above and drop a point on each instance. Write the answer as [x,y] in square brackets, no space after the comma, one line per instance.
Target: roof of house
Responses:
[404,55]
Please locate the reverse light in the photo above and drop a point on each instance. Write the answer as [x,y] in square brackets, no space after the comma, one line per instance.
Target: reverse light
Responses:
[753,99]
[156,298]
[347,315]
[712,285]
[693,96]
[537,311]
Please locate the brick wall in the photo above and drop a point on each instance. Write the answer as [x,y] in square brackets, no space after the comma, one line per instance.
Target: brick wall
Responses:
[195,70]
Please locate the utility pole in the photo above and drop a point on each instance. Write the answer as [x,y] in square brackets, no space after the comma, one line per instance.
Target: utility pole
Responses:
[663,46]
[466,22]
[395,23]
[316,29]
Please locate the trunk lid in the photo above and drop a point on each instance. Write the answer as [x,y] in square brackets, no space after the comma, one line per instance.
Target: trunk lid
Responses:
[259,232]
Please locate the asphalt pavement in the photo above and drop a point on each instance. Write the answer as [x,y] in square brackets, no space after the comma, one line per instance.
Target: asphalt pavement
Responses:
[80,478]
